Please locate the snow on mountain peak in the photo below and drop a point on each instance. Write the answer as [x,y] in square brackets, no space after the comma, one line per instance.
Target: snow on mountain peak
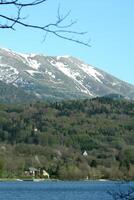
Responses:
[58,76]
[65,56]
[29,59]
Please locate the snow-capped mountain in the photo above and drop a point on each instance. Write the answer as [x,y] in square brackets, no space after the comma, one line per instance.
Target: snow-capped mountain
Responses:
[58,77]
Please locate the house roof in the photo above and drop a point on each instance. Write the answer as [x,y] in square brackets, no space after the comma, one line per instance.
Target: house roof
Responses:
[33,169]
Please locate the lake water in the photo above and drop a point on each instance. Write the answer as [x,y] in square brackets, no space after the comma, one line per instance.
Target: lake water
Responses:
[50,190]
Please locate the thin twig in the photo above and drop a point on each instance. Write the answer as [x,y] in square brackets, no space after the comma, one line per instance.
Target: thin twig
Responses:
[61,28]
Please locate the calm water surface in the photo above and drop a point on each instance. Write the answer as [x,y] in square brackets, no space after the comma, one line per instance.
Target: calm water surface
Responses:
[88,190]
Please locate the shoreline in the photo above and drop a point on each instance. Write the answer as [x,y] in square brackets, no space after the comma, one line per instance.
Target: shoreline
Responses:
[57,180]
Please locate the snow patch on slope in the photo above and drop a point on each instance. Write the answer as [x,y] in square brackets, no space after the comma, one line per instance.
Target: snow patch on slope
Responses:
[29,60]
[8,73]
[26,58]
[114,83]
[64,69]
[34,64]
[5,67]
[32,72]
[24,55]
[50,74]
[5,49]
[91,72]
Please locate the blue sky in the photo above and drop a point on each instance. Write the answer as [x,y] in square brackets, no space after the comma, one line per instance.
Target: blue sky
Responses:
[110,26]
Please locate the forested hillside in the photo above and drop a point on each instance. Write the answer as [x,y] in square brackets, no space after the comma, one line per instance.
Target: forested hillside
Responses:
[54,136]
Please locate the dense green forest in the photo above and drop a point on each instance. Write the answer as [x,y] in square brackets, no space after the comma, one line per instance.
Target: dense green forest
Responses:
[70,139]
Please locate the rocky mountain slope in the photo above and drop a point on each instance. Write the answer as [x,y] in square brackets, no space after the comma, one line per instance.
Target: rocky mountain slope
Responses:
[10,94]
[59,77]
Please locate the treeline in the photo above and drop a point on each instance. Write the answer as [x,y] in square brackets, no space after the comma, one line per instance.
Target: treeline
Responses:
[54,136]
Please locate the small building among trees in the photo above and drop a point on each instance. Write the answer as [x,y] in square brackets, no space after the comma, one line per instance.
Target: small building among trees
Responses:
[85,153]
[36,173]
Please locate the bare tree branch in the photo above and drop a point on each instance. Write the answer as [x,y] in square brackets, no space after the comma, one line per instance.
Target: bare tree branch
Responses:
[17,3]
[60,28]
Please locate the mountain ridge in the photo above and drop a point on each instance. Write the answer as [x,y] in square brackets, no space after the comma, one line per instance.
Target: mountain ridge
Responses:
[58,77]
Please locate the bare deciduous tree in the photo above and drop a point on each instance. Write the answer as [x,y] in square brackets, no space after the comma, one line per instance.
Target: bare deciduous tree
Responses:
[58,28]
